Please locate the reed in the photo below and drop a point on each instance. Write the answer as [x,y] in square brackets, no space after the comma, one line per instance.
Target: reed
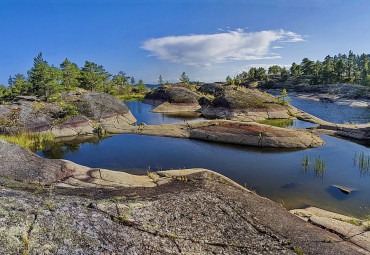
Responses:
[362,161]
[306,162]
[319,167]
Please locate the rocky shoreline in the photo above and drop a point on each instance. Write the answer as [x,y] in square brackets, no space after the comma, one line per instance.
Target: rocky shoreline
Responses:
[59,207]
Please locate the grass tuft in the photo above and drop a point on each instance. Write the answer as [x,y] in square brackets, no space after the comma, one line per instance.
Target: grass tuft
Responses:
[277,122]
[33,141]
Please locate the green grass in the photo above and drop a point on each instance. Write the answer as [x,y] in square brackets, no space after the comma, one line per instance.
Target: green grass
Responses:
[283,123]
[363,162]
[131,97]
[33,141]
[306,162]
[319,167]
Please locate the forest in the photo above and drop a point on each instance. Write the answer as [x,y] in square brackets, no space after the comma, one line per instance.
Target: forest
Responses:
[47,81]
[341,68]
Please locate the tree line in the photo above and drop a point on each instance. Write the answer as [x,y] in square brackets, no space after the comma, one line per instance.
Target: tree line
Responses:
[45,81]
[340,68]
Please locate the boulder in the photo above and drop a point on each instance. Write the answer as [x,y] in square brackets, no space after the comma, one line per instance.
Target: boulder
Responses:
[173,100]
[211,88]
[97,106]
[93,109]
[173,95]
[244,105]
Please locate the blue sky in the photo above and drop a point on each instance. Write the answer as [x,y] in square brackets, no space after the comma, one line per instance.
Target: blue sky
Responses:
[208,39]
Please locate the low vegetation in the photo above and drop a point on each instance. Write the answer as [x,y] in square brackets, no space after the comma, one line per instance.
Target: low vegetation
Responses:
[283,123]
[33,141]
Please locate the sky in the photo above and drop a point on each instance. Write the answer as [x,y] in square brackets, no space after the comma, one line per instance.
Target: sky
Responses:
[207,39]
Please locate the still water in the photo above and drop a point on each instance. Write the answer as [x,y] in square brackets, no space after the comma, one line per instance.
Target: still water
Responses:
[331,112]
[273,173]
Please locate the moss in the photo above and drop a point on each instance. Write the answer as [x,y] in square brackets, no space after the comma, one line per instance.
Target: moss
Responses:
[49,205]
[298,251]
[172,236]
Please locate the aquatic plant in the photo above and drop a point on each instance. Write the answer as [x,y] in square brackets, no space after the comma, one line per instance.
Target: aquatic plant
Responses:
[319,167]
[306,162]
[363,162]
[33,141]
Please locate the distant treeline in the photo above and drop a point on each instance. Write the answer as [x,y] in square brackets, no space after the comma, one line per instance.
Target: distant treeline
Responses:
[341,68]
[45,81]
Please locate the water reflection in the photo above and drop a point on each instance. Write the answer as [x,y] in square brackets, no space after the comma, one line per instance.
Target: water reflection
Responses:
[142,113]
[62,147]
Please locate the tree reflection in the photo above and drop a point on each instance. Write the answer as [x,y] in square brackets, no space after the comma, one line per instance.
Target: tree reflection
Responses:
[60,148]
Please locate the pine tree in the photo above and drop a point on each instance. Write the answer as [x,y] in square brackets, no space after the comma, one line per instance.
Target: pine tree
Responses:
[160,80]
[184,78]
[70,74]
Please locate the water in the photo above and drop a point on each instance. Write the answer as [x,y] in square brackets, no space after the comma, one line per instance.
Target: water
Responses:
[331,112]
[142,114]
[274,173]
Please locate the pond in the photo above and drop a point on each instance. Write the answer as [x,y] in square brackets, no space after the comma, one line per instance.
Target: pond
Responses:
[280,175]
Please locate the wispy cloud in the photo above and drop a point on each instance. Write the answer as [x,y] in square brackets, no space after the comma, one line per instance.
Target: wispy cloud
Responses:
[207,49]
[277,47]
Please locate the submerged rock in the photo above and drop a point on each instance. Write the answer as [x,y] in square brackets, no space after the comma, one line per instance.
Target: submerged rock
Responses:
[343,189]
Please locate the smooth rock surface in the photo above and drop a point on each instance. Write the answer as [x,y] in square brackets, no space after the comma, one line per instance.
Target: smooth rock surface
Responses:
[96,211]
[243,133]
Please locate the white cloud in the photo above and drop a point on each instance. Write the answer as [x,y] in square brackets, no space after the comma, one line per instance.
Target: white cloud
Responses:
[207,49]
[277,47]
